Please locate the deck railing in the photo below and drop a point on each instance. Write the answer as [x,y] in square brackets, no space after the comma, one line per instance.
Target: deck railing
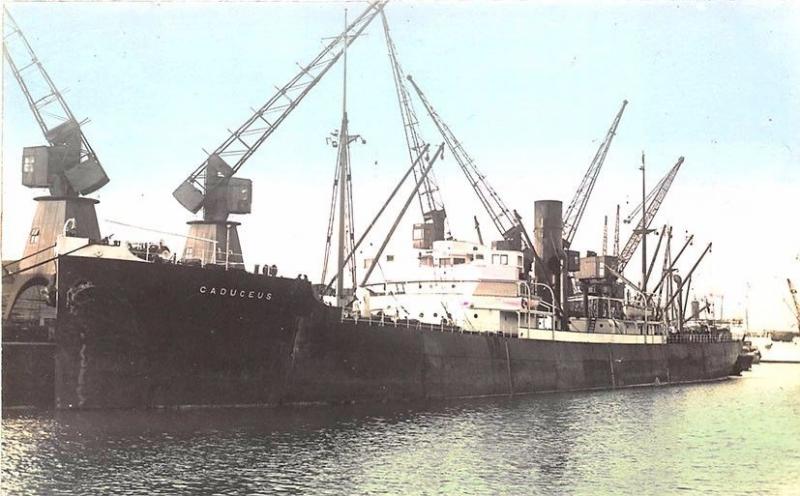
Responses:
[417,325]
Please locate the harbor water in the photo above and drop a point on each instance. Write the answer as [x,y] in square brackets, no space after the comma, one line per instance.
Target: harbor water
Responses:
[738,436]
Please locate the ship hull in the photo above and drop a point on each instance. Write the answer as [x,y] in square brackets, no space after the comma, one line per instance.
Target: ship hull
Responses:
[140,335]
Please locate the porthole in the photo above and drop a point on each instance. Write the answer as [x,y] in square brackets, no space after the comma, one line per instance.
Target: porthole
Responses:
[476,315]
[435,315]
[421,315]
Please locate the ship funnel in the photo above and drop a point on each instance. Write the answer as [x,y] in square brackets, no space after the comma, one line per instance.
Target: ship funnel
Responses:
[548,243]
[547,238]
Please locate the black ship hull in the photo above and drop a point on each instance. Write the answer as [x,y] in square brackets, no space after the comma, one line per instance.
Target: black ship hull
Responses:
[142,335]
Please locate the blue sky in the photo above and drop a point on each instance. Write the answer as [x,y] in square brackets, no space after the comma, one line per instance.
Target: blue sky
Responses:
[529,87]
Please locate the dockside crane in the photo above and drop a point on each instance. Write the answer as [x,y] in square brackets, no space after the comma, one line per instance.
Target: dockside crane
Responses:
[793,293]
[430,201]
[576,208]
[503,218]
[654,200]
[69,166]
[212,187]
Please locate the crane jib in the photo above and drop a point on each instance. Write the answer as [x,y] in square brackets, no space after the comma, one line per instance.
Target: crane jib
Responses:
[192,193]
[69,165]
[577,206]
[657,198]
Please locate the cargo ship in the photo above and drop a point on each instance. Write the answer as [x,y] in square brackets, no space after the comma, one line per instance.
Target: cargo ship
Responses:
[130,333]
[92,322]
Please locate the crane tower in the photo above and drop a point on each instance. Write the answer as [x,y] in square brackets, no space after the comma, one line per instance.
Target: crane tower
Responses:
[67,166]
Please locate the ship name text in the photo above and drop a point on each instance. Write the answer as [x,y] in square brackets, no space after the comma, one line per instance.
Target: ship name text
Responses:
[236,292]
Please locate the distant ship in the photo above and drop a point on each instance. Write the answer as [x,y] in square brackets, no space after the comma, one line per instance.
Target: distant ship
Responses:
[784,336]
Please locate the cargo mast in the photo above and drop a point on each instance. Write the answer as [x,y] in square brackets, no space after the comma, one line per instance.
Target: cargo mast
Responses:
[616,233]
[343,191]
[653,202]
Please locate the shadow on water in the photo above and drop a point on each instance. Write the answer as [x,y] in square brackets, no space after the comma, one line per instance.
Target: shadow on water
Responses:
[642,441]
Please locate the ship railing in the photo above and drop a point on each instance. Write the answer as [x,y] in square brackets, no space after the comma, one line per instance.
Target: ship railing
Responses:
[689,337]
[387,321]
[394,288]
[550,309]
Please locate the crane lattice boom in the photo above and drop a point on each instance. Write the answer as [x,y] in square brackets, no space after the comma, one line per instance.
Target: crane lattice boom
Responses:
[502,217]
[429,197]
[71,155]
[793,292]
[574,212]
[654,201]
[243,142]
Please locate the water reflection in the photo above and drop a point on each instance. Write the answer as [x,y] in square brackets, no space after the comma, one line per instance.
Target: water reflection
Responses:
[650,440]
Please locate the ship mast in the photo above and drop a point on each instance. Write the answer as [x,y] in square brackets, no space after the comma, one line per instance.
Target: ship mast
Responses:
[643,229]
[616,234]
[343,173]
[342,184]
[343,192]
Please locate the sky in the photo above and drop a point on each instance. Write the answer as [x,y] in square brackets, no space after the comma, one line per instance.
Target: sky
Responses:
[529,88]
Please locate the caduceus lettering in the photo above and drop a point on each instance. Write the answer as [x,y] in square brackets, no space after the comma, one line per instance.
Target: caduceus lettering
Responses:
[251,294]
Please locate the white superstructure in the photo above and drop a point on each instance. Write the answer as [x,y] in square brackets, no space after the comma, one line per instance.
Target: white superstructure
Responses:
[479,289]
[456,283]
